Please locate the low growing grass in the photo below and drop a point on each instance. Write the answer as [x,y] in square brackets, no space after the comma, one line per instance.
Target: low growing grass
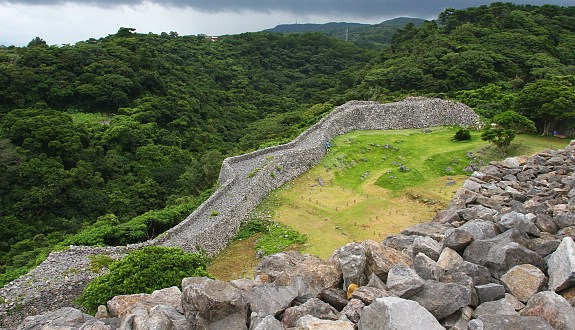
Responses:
[358,191]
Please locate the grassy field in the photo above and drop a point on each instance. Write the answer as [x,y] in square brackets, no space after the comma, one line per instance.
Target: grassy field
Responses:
[358,191]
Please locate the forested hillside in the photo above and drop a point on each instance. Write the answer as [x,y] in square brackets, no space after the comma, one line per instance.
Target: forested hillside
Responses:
[114,140]
[493,58]
[177,105]
[364,35]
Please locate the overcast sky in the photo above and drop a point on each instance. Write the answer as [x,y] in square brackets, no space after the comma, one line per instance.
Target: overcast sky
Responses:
[70,21]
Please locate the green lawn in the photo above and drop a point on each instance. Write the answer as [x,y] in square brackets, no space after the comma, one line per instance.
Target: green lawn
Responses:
[358,192]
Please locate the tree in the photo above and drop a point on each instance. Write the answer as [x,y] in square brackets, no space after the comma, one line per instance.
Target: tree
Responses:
[548,102]
[37,42]
[500,137]
[507,123]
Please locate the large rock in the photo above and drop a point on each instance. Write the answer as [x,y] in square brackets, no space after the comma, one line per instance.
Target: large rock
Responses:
[310,277]
[120,305]
[434,230]
[515,322]
[443,299]
[351,260]
[500,255]
[477,212]
[464,280]
[489,292]
[403,281]
[563,216]
[553,308]
[427,246]
[268,323]
[369,294]
[449,259]
[519,221]
[381,258]
[481,229]
[523,281]
[399,242]
[479,274]
[426,267]
[353,310]
[270,300]
[497,307]
[206,302]
[309,322]
[335,297]
[457,239]
[562,266]
[273,265]
[313,307]
[397,314]
[166,317]
[66,318]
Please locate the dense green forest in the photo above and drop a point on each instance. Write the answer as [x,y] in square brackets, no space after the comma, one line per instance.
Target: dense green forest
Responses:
[114,140]
[364,35]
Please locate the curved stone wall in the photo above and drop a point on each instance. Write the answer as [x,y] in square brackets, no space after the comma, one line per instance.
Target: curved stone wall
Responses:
[244,181]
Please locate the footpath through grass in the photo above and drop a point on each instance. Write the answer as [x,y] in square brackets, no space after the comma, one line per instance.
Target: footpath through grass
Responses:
[375,183]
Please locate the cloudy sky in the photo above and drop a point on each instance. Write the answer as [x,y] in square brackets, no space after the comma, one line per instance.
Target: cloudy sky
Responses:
[69,21]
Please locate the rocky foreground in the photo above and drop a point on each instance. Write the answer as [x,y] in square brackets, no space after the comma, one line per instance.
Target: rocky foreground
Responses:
[501,256]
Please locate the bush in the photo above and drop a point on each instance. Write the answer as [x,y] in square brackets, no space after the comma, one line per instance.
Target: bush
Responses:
[462,135]
[143,271]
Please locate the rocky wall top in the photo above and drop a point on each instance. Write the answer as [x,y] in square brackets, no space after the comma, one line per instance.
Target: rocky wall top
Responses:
[244,181]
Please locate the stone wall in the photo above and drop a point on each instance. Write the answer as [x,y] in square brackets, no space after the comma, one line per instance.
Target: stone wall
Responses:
[244,181]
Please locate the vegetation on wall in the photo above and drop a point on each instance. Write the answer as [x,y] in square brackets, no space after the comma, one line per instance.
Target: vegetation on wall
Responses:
[143,271]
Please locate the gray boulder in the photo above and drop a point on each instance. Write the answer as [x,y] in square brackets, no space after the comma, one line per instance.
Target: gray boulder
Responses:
[273,265]
[270,300]
[268,323]
[553,308]
[563,216]
[369,294]
[399,242]
[427,246]
[403,281]
[544,245]
[502,258]
[309,322]
[397,314]
[351,259]
[457,239]
[442,299]
[562,266]
[206,302]
[514,322]
[434,230]
[489,292]
[121,305]
[310,277]
[519,221]
[313,307]
[449,259]
[66,317]
[353,310]
[426,267]
[481,229]
[497,307]
[480,274]
[335,297]
[381,258]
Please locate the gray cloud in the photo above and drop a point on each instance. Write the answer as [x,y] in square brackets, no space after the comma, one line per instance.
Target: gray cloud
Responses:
[343,8]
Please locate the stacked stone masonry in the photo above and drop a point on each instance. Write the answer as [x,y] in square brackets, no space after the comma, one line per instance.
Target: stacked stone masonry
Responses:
[502,256]
[244,181]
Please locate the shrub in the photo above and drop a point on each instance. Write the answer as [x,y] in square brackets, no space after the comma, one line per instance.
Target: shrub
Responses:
[143,271]
[462,135]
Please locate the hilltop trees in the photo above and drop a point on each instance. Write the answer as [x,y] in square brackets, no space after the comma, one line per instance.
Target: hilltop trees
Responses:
[550,102]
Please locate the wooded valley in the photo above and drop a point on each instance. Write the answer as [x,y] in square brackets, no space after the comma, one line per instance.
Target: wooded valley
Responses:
[114,140]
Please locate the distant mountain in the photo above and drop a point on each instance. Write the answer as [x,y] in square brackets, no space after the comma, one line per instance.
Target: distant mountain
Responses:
[312,27]
[370,35]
